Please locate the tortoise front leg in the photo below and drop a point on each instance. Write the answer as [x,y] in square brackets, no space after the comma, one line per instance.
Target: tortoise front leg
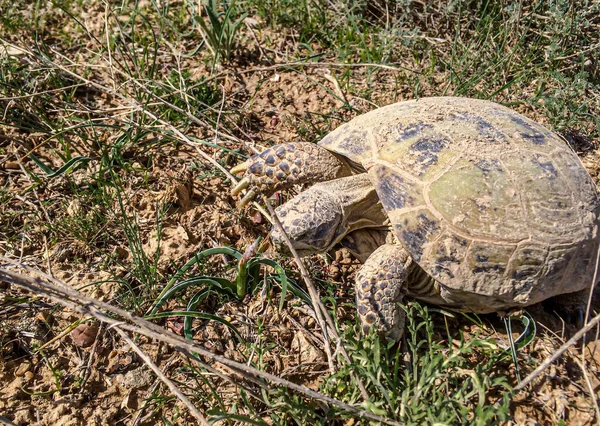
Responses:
[380,284]
[284,165]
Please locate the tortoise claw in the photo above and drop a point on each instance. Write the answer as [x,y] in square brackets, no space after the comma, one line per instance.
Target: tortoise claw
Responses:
[243,184]
[247,198]
[240,168]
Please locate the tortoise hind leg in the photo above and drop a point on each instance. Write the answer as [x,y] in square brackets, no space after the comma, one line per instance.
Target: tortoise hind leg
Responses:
[380,284]
[571,306]
[284,165]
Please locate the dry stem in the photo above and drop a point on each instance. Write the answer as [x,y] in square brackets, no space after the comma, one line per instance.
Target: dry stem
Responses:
[193,410]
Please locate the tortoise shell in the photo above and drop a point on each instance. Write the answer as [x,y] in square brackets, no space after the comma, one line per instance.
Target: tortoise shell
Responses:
[484,199]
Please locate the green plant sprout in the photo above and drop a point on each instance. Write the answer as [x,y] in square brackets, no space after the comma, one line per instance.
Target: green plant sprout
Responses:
[220,31]
[249,267]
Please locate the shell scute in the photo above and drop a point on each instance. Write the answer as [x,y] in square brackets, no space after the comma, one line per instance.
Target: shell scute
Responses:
[477,201]
[351,142]
[478,128]
[482,268]
[547,198]
[417,230]
[395,191]
[446,254]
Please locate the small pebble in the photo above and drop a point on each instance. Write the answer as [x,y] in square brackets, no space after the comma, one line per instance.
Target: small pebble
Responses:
[257,218]
[43,316]
[23,368]
[84,335]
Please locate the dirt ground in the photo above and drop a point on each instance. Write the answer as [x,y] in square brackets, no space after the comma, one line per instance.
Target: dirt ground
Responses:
[50,376]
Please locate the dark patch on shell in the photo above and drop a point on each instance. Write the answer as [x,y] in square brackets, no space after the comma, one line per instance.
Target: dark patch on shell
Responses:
[428,148]
[531,134]
[486,129]
[389,188]
[481,258]
[416,239]
[547,166]
[439,269]
[442,261]
[523,274]
[354,142]
[446,259]
[411,130]
[488,268]
[430,144]
[488,166]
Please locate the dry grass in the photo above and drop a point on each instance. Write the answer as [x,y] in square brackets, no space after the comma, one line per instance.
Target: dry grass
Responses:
[118,124]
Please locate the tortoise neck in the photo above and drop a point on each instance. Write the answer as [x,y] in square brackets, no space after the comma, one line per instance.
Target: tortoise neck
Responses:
[358,203]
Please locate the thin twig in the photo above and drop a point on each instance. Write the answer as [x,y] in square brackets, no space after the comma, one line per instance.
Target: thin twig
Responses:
[184,399]
[5,421]
[70,328]
[138,416]
[325,322]
[588,382]
[88,367]
[591,293]
[323,316]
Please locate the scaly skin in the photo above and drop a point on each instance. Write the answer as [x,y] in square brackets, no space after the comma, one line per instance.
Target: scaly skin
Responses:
[285,165]
[380,284]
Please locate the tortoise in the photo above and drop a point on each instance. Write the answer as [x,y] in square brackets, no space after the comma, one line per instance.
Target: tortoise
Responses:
[485,209]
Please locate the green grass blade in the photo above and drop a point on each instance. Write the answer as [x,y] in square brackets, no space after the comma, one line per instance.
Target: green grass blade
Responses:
[283,279]
[68,166]
[221,285]
[512,349]
[194,260]
[192,304]
[41,165]
[200,315]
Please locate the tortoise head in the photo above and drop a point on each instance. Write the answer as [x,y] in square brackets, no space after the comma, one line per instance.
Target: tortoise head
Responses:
[313,220]
[318,218]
